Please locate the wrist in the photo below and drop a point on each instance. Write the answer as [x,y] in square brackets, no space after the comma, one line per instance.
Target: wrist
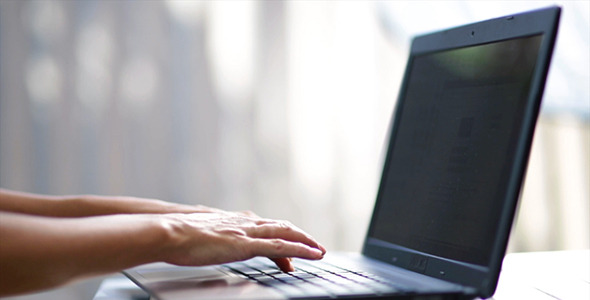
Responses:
[132,239]
[171,236]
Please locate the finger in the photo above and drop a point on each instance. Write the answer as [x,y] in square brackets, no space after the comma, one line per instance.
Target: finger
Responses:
[286,231]
[276,248]
[284,264]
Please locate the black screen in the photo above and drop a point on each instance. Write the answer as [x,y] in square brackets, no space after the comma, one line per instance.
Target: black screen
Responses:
[452,147]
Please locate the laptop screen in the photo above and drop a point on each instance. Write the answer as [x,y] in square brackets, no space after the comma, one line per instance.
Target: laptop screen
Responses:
[452,148]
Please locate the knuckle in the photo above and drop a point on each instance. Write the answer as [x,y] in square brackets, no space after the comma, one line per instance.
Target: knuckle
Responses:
[261,221]
[233,232]
[277,244]
[285,225]
[248,213]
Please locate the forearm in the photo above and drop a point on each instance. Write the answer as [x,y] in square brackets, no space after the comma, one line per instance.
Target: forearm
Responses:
[88,205]
[38,253]
[27,203]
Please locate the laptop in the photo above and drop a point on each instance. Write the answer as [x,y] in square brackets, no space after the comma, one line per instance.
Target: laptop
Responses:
[458,150]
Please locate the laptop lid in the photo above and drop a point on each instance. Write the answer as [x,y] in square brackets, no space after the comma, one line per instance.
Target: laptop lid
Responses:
[459,146]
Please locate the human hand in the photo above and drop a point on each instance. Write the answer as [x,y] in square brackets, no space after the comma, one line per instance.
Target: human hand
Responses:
[215,238]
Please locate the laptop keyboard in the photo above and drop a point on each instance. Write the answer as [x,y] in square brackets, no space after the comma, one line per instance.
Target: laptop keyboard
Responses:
[313,280]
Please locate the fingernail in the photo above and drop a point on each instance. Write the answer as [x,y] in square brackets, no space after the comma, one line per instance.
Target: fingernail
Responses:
[318,253]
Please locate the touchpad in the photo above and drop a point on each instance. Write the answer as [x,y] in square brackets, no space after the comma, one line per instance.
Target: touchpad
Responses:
[179,273]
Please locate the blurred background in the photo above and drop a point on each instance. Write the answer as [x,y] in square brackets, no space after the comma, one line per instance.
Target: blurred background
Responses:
[277,107]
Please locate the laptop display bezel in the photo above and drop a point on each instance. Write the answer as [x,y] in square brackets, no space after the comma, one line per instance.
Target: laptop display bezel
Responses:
[481,279]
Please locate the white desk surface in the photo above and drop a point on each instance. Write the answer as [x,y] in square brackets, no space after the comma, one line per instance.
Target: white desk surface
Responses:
[534,275]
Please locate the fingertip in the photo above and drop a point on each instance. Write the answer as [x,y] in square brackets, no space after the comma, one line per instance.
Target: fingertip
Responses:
[284,264]
[289,267]
[317,253]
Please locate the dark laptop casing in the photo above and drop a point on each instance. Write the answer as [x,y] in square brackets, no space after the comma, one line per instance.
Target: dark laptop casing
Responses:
[483,279]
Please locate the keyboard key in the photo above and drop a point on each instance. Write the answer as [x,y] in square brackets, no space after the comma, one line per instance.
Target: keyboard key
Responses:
[302,275]
[267,280]
[287,278]
[322,267]
[270,271]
